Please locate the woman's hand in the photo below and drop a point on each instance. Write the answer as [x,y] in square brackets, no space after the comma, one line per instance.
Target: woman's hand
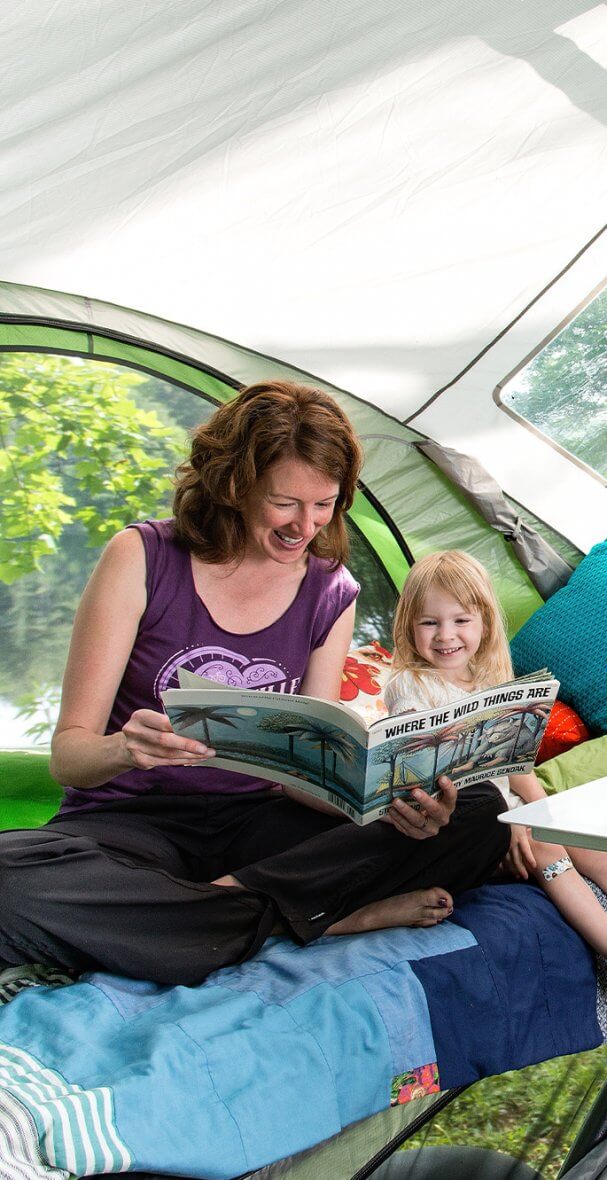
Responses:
[520,860]
[150,740]
[434,811]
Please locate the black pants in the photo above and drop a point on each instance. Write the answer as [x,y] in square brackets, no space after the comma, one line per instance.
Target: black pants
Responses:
[125,888]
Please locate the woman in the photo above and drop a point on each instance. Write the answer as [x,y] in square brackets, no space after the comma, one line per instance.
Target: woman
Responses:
[158,866]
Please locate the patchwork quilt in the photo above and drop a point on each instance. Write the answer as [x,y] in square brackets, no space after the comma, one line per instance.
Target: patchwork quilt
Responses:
[264,1060]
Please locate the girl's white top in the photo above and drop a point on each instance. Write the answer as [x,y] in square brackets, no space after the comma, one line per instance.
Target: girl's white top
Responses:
[426,690]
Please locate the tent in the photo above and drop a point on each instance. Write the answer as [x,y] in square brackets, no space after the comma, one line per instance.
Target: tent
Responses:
[407,204]
[402,203]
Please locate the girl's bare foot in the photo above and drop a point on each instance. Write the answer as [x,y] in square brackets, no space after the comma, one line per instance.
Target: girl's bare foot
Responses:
[422,907]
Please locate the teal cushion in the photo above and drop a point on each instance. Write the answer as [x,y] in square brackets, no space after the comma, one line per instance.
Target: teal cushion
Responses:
[568,634]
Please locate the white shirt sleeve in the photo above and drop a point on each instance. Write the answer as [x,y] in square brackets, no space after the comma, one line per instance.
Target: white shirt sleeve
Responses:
[418,691]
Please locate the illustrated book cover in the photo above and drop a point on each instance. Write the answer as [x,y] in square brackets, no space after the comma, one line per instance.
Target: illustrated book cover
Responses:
[325,748]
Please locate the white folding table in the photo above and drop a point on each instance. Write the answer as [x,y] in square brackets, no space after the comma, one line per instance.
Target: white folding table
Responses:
[577,817]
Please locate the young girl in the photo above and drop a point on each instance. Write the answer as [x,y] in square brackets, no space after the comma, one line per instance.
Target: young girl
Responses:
[449,640]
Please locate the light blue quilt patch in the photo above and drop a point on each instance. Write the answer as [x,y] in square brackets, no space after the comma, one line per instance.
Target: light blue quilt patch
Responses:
[401,1002]
[130,997]
[282,970]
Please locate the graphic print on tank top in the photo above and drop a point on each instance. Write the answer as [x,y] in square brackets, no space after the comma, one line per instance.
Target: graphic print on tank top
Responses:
[226,667]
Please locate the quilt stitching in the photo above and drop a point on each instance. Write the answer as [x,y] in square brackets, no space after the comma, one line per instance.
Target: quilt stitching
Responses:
[229,1112]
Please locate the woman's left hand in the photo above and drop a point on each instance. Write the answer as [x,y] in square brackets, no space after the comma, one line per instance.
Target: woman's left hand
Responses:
[434,811]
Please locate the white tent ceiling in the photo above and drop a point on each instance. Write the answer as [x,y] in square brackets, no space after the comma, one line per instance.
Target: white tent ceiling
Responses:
[373,192]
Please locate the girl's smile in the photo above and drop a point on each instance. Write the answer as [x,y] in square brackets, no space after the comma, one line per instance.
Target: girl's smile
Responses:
[447,636]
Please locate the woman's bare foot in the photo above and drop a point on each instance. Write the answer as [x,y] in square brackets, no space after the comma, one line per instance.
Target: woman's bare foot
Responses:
[422,907]
[229,882]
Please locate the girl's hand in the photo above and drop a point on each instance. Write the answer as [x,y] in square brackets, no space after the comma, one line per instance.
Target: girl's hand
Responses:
[520,860]
[434,812]
[149,740]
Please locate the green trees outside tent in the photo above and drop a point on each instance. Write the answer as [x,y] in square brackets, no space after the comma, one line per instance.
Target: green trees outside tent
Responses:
[76,449]
[563,390]
[86,447]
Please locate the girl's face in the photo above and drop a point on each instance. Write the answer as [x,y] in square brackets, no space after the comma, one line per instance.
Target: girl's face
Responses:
[447,636]
[286,509]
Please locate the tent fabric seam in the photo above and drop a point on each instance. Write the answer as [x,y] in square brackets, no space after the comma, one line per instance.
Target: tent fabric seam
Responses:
[504,331]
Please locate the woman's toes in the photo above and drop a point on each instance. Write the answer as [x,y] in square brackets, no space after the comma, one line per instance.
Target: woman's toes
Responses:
[438,905]
[440,899]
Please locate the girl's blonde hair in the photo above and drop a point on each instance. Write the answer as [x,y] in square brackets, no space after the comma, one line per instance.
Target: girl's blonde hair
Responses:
[464,578]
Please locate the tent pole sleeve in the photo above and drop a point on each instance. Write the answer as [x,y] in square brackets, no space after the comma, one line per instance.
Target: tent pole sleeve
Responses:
[545,567]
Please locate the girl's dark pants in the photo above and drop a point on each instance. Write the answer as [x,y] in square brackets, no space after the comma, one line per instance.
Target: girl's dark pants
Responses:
[125,888]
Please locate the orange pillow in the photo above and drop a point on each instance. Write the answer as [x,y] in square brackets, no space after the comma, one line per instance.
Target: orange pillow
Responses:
[564,730]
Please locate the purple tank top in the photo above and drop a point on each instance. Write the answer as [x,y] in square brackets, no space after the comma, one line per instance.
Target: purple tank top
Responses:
[177,631]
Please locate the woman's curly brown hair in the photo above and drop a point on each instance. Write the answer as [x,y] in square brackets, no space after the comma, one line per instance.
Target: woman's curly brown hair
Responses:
[267,422]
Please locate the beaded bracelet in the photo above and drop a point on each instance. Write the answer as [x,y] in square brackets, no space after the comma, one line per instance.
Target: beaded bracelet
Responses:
[556,868]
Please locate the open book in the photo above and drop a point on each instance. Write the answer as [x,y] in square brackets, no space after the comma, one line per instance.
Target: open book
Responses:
[326,749]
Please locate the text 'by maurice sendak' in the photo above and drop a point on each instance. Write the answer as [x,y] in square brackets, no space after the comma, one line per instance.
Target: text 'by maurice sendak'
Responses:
[430,720]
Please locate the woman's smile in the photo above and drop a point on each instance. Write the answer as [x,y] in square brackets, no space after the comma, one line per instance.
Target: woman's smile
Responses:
[287,508]
[286,540]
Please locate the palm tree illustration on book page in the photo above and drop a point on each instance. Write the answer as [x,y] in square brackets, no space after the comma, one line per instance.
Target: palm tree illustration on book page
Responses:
[324,737]
[183,719]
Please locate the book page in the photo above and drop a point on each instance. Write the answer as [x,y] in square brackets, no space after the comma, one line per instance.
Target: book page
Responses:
[314,745]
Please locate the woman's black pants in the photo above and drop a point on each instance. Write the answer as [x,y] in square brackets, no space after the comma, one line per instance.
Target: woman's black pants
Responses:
[126,888]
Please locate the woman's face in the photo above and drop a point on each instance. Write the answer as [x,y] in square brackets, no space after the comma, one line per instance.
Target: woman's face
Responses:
[286,509]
